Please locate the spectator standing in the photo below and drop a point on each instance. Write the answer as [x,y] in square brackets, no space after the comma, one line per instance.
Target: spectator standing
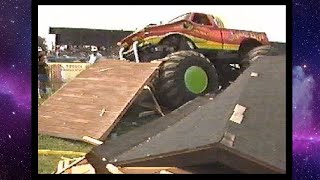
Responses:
[95,55]
[42,73]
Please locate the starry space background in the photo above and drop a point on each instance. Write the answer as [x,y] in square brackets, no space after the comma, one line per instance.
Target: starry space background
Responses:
[306,86]
[15,89]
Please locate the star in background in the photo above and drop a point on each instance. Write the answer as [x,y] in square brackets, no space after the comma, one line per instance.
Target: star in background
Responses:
[306,99]
[15,90]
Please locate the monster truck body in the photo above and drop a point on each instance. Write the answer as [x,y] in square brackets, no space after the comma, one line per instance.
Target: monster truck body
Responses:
[206,33]
[199,55]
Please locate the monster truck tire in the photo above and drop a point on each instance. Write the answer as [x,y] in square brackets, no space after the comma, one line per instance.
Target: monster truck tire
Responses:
[176,84]
[255,53]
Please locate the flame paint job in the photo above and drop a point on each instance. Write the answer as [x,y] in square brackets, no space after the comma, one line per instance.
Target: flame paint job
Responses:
[212,36]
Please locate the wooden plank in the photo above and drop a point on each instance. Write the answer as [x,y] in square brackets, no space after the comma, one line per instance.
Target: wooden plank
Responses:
[66,162]
[69,166]
[165,172]
[146,113]
[83,169]
[152,170]
[75,110]
[178,171]
[157,106]
[87,118]
[91,101]
[67,126]
[76,106]
[77,131]
[60,165]
[113,169]
[54,110]
[101,86]
[97,95]
[142,170]
[92,140]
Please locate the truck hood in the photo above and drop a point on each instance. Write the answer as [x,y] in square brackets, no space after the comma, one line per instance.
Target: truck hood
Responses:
[135,36]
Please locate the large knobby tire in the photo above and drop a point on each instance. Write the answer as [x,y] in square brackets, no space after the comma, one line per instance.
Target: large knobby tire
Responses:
[183,76]
[255,53]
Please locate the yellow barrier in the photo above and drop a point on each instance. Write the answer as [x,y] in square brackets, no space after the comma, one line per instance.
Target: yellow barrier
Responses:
[53,152]
[63,72]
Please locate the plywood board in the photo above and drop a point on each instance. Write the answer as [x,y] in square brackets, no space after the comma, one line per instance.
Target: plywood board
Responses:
[76,109]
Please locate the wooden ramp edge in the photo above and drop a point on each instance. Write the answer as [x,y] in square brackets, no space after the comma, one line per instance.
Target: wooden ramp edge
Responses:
[94,102]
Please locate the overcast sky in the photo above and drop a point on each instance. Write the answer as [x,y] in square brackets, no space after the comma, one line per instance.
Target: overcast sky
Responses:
[269,19]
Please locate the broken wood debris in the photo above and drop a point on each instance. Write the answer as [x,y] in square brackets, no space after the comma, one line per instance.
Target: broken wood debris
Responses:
[78,166]
[67,162]
[237,115]
[60,165]
[237,118]
[113,169]
[146,113]
[92,140]
[102,70]
[235,66]
[165,172]
[145,170]
[69,166]
[228,139]
[83,169]
[239,109]
[253,74]
[102,112]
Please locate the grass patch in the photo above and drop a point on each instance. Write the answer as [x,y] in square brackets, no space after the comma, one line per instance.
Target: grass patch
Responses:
[40,101]
[48,163]
[53,143]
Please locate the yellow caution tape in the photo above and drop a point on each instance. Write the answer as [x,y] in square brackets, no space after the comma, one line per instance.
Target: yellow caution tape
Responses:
[52,152]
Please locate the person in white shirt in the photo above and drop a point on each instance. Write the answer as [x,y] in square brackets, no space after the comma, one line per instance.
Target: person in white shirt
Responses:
[95,55]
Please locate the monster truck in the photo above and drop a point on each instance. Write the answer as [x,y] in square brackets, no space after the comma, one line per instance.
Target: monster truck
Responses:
[197,51]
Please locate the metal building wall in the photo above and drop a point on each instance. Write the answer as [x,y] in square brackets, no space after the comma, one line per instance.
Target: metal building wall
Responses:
[75,36]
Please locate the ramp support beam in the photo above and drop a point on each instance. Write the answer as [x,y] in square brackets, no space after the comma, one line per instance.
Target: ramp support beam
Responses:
[158,108]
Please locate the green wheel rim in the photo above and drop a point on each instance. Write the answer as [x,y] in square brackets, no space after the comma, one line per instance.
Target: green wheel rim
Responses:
[196,79]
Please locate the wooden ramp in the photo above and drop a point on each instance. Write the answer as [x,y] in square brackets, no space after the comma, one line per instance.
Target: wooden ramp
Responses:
[93,103]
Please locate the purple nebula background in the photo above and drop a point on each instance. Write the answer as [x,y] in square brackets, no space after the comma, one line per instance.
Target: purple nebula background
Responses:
[306,96]
[15,89]
[306,136]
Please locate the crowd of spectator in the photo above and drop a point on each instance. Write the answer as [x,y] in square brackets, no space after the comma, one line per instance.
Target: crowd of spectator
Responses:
[82,52]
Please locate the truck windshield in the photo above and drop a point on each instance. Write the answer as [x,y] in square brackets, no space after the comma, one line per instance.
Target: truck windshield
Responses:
[179,18]
[218,21]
